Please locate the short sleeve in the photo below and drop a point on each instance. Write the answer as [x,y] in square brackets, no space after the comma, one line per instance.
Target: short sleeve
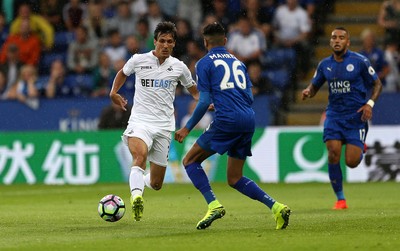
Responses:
[368,72]
[186,77]
[203,81]
[129,67]
[318,78]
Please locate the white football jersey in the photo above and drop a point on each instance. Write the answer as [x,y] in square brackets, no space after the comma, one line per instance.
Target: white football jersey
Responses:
[155,85]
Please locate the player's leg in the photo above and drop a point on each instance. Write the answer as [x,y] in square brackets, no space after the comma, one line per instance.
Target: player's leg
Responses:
[155,178]
[158,157]
[354,155]
[192,163]
[335,172]
[139,150]
[355,144]
[247,186]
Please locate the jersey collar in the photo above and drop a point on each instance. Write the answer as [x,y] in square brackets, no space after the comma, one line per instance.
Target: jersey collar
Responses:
[156,58]
[346,55]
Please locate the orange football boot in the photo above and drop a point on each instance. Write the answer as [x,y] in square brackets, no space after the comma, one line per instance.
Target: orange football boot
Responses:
[340,204]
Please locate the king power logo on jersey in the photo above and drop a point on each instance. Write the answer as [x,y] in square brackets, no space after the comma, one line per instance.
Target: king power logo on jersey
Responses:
[303,157]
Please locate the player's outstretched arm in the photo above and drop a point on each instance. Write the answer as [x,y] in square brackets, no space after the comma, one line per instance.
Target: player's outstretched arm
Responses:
[367,108]
[194,92]
[309,92]
[181,134]
[116,98]
[201,108]
[376,92]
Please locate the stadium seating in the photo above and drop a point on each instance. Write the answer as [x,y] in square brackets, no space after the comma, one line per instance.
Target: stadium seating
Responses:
[81,84]
[48,58]
[41,83]
[62,40]
[278,58]
[278,77]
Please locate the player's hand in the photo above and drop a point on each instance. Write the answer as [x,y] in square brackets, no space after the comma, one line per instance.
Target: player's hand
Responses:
[211,107]
[119,100]
[306,93]
[366,112]
[181,134]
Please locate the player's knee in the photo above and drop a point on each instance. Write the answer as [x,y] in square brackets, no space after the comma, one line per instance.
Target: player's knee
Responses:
[140,160]
[352,163]
[156,185]
[333,157]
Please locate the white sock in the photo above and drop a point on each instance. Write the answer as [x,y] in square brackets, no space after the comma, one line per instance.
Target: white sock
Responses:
[147,181]
[136,181]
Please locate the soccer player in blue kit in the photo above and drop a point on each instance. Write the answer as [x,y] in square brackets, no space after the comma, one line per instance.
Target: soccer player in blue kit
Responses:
[350,78]
[223,81]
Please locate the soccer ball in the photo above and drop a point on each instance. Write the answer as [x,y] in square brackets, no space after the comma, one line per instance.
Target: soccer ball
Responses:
[111,208]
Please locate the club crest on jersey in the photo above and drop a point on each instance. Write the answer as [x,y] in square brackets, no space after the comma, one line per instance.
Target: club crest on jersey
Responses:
[170,69]
[371,70]
[350,67]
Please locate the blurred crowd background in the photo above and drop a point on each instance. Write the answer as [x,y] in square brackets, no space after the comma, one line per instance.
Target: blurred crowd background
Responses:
[72,49]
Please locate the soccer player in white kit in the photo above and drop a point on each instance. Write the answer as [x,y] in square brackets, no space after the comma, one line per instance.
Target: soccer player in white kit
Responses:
[152,121]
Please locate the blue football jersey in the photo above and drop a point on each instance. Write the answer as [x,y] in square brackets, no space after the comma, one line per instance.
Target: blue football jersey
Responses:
[226,79]
[348,81]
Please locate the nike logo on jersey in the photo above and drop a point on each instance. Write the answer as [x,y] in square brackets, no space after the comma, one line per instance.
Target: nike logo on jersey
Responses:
[329,68]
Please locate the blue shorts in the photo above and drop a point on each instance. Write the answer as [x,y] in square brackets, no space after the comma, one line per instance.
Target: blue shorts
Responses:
[350,131]
[237,144]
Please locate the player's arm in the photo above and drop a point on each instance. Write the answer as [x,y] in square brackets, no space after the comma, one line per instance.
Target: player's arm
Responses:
[310,91]
[116,98]
[376,92]
[317,81]
[367,108]
[194,92]
[201,108]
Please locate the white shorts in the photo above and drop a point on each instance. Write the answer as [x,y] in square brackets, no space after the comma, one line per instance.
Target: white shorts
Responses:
[158,141]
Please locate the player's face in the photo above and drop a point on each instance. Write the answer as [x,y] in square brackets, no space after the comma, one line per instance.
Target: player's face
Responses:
[339,41]
[164,45]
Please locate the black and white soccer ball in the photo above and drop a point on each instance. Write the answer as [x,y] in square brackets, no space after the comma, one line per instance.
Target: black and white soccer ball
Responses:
[111,208]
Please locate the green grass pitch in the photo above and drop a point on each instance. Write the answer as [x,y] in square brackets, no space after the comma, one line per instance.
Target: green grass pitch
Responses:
[43,217]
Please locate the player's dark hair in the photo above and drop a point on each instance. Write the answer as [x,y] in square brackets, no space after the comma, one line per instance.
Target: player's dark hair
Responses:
[343,29]
[214,29]
[214,33]
[165,28]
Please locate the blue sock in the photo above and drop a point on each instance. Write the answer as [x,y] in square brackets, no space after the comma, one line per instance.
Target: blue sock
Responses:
[251,189]
[336,177]
[200,181]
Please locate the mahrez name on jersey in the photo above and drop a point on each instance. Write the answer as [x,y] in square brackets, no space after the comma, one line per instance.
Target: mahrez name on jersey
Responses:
[219,55]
